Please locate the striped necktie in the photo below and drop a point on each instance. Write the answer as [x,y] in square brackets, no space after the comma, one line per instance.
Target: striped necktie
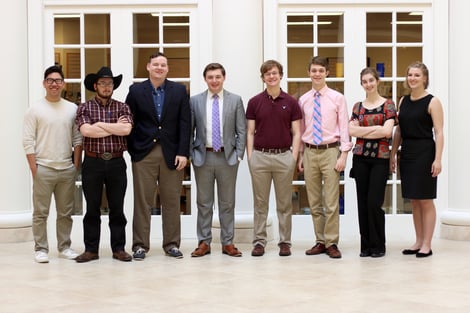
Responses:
[317,131]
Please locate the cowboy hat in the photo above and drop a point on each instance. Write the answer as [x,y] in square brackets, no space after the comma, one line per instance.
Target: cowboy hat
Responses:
[92,78]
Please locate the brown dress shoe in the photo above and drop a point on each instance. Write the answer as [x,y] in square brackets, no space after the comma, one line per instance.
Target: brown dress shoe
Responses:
[231,250]
[333,252]
[122,255]
[316,249]
[284,249]
[258,250]
[87,256]
[201,250]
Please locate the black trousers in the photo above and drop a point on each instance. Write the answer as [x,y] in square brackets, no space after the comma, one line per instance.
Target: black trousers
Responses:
[111,173]
[371,176]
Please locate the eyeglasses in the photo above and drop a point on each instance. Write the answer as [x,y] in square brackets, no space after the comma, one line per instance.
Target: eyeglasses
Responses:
[103,84]
[58,81]
[273,73]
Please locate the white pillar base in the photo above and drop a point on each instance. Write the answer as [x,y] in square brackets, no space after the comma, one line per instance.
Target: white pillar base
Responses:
[15,227]
[455,225]
[243,229]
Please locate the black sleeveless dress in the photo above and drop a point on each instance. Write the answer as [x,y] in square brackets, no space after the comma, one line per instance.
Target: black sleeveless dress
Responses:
[418,149]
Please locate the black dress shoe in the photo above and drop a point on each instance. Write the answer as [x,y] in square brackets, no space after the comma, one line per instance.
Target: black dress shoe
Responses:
[377,254]
[423,255]
[410,251]
[365,254]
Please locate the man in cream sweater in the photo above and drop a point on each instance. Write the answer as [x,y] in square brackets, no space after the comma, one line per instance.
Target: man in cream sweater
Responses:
[50,136]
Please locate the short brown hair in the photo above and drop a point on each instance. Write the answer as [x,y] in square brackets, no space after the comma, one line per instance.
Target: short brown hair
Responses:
[318,60]
[269,64]
[213,67]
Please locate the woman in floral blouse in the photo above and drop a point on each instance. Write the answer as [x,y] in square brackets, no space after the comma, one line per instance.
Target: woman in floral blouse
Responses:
[372,123]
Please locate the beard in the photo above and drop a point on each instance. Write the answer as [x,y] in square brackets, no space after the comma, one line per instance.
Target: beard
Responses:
[104,95]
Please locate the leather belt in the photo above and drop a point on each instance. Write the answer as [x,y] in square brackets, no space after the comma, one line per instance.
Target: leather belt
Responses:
[325,146]
[213,150]
[273,151]
[105,156]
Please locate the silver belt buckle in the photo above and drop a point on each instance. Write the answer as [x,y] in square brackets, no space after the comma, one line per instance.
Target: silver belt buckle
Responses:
[107,156]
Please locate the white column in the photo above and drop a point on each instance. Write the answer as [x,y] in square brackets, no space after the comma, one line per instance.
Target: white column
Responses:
[237,45]
[15,195]
[455,221]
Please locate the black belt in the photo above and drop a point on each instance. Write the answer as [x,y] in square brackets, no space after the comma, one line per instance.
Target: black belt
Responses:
[325,146]
[273,151]
[105,156]
[213,150]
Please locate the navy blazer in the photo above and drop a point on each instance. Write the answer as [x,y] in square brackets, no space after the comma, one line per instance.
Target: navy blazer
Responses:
[172,131]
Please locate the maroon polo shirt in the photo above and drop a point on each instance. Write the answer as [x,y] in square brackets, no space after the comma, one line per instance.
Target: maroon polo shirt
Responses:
[273,118]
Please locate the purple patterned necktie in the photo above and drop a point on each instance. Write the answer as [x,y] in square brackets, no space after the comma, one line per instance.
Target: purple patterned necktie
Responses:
[216,141]
[317,132]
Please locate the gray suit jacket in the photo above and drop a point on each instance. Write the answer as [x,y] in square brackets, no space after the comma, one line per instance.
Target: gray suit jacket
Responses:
[233,124]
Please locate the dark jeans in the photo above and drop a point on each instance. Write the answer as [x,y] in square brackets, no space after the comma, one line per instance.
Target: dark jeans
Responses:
[371,176]
[111,173]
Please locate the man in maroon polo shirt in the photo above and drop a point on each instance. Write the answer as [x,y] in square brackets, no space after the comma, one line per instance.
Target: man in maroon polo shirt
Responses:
[273,138]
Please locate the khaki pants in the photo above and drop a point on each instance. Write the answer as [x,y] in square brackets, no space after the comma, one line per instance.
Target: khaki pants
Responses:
[279,169]
[319,165]
[149,173]
[61,183]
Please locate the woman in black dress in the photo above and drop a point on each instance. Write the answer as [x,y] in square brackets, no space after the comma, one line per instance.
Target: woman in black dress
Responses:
[420,133]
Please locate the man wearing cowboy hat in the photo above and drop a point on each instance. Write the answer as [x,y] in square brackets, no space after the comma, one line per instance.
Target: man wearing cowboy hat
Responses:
[104,123]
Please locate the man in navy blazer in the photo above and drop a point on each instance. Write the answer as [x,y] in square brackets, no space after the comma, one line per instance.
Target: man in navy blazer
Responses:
[159,149]
[218,145]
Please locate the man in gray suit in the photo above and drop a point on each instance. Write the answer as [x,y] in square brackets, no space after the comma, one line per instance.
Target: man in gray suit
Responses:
[217,146]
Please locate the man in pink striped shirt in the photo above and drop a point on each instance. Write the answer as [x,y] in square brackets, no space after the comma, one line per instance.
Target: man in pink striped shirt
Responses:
[325,145]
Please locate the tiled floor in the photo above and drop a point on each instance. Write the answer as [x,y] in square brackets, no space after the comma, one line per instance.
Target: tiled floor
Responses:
[218,283]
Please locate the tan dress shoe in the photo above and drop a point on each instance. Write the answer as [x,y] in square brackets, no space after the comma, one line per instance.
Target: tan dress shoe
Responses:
[201,250]
[231,250]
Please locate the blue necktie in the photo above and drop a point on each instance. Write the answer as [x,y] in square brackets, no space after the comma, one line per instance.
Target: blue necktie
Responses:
[317,131]
[216,140]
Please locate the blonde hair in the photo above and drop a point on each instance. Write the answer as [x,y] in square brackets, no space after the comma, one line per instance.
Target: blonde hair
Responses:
[423,68]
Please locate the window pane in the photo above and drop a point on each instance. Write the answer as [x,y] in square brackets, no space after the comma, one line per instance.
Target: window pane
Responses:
[67,30]
[145,28]
[330,28]
[380,58]
[338,86]
[141,58]
[94,60]
[335,57]
[406,56]
[409,27]
[297,62]
[72,92]
[385,89]
[178,62]
[403,205]
[387,205]
[71,64]
[300,29]
[296,89]
[176,29]
[299,200]
[97,29]
[401,91]
[379,27]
